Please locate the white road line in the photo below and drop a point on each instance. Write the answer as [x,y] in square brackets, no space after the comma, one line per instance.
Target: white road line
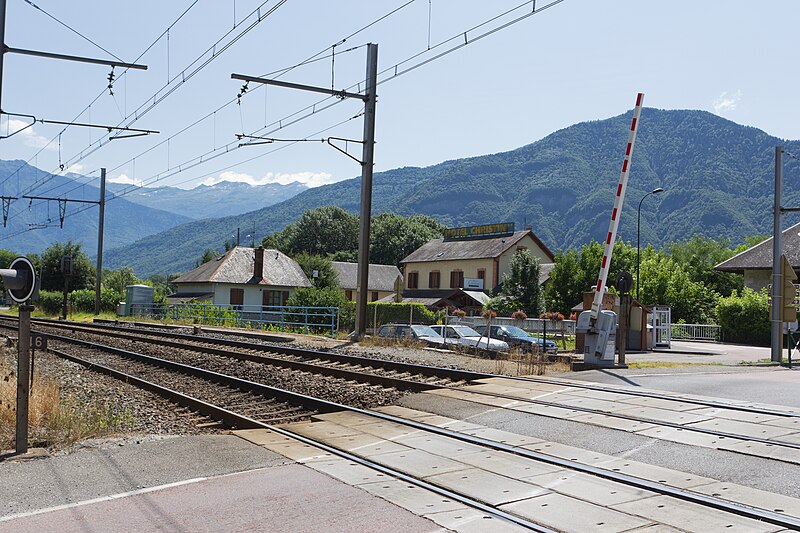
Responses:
[101,499]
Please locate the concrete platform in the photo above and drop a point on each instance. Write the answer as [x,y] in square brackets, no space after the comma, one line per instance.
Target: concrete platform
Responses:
[205,483]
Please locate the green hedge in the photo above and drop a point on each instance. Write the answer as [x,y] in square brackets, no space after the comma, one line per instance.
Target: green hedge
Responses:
[745,318]
[79,301]
[401,313]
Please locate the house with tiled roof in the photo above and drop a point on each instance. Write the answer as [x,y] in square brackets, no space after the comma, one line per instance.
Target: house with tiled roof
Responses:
[468,264]
[755,263]
[383,280]
[242,276]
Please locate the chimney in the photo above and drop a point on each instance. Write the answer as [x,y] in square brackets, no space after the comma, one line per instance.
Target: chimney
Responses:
[258,269]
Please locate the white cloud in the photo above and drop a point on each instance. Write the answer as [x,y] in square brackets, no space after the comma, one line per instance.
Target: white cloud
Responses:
[727,102]
[76,168]
[124,179]
[310,179]
[28,136]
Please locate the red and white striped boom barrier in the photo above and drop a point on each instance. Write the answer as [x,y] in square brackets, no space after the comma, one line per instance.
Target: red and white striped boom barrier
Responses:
[615,214]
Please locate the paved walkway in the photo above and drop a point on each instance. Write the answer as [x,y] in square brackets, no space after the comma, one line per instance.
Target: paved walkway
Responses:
[704,353]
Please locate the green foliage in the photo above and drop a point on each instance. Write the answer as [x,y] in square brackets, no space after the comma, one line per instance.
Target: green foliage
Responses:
[50,302]
[117,280]
[326,275]
[81,301]
[521,287]
[82,268]
[393,237]
[745,319]
[208,255]
[680,276]
[333,232]
[402,313]
[162,286]
[320,231]
[699,255]
[712,170]
[321,297]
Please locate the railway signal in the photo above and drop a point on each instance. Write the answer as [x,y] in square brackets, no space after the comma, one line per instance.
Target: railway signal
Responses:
[20,281]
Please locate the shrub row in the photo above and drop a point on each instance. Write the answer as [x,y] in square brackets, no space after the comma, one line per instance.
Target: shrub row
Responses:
[79,301]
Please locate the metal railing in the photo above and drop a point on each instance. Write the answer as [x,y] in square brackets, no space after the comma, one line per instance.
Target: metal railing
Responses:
[531,325]
[307,319]
[696,332]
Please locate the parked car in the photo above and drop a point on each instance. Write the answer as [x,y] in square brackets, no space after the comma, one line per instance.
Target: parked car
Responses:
[515,336]
[414,331]
[467,336]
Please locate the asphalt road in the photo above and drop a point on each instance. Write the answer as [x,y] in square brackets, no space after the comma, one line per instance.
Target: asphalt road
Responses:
[776,385]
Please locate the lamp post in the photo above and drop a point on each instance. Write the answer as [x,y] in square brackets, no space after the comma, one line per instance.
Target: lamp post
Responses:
[638,225]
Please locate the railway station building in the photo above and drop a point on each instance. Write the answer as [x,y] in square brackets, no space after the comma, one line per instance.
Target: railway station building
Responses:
[242,276]
[755,263]
[468,264]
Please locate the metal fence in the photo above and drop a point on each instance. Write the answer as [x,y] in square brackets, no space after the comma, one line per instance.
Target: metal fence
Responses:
[696,332]
[531,325]
[307,319]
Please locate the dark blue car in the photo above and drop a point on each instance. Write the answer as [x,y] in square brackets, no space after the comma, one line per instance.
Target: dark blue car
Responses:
[515,336]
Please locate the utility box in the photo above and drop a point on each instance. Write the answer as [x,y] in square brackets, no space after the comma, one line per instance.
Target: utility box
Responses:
[138,295]
[600,342]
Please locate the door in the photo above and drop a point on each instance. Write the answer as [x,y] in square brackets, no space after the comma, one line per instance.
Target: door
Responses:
[237,297]
[662,326]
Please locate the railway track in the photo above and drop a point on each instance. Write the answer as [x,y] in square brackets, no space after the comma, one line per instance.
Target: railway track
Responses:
[419,378]
[245,404]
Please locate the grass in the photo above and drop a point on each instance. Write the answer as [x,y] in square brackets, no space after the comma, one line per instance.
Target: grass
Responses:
[665,364]
[768,361]
[55,419]
[525,363]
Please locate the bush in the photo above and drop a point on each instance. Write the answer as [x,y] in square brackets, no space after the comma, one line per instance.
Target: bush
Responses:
[745,319]
[50,302]
[320,297]
[79,301]
[387,313]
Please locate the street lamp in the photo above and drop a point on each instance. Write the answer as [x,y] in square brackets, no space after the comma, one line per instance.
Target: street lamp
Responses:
[638,224]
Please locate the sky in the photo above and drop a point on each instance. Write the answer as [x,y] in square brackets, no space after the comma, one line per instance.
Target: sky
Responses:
[575,61]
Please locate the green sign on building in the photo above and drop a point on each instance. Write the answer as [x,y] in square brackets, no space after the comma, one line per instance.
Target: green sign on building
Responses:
[479,232]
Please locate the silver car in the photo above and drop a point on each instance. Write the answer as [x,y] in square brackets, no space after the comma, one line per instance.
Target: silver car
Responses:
[467,336]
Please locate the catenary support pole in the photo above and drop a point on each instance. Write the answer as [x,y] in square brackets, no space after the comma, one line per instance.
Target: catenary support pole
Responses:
[100,224]
[2,46]
[366,190]
[23,377]
[777,300]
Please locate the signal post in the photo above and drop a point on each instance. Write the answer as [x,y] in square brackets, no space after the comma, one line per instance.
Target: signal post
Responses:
[20,281]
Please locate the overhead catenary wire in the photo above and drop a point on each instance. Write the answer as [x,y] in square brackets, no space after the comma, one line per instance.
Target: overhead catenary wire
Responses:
[124,192]
[102,93]
[312,58]
[183,76]
[147,105]
[394,71]
[73,30]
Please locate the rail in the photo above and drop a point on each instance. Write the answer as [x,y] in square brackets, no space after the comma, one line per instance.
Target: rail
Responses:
[307,319]
[696,332]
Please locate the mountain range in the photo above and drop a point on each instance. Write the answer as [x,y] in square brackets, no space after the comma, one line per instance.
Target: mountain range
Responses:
[131,212]
[210,201]
[717,178]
